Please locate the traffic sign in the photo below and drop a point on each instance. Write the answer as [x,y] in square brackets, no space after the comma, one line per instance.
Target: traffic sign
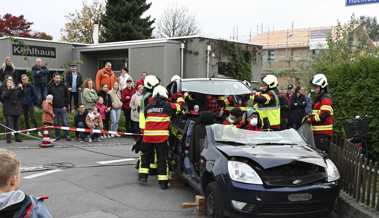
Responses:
[360,2]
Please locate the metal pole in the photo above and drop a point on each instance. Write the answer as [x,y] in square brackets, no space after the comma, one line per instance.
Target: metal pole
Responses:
[182,60]
[208,59]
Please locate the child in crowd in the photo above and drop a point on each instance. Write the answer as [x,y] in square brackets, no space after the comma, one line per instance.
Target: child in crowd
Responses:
[93,121]
[47,111]
[80,122]
[108,103]
[13,201]
[103,110]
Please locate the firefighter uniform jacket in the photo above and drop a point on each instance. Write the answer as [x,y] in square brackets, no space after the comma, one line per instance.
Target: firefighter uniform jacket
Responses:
[322,116]
[144,102]
[158,116]
[268,107]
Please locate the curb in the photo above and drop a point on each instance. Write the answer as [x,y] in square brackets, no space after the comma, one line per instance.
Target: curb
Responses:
[348,207]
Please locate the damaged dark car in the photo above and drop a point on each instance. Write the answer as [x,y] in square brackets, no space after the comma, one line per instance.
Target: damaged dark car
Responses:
[246,173]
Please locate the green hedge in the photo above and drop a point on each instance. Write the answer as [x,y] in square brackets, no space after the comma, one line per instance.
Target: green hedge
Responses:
[355,90]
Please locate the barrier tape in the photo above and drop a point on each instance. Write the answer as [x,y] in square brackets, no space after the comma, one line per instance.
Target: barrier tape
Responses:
[73,129]
[24,130]
[99,131]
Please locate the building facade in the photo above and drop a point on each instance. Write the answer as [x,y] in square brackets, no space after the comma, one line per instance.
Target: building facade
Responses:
[291,50]
[189,57]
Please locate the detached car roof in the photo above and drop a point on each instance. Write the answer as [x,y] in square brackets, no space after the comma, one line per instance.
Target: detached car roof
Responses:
[214,86]
[227,133]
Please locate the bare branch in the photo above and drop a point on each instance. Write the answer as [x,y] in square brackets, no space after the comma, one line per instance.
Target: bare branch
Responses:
[177,21]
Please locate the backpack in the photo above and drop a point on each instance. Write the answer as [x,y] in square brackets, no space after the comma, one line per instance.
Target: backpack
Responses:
[32,208]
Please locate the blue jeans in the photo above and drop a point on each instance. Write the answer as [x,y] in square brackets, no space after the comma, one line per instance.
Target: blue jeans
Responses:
[41,91]
[81,135]
[60,119]
[115,117]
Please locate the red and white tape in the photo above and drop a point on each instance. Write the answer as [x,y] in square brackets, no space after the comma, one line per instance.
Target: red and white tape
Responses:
[25,130]
[73,129]
[99,131]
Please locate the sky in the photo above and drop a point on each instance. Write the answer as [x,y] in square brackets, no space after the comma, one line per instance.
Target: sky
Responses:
[216,18]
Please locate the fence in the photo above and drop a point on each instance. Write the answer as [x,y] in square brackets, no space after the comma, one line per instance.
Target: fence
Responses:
[359,175]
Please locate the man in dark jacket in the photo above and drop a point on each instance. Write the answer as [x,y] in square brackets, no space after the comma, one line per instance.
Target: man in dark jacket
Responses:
[60,103]
[73,82]
[40,75]
[29,100]
[12,107]
[80,122]
[297,109]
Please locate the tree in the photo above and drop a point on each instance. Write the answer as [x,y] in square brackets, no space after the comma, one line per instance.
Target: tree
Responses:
[80,25]
[372,26]
[11,25]
[177,21]
[123,21]
[352,72]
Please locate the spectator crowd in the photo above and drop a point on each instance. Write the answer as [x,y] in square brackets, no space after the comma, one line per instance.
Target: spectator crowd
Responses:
[97,104]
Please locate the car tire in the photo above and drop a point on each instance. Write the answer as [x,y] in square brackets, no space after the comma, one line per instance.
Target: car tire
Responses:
[214,201]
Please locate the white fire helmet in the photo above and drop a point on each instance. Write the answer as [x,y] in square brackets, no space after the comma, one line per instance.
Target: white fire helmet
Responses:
[161,91]
[150,81]
[175,77]
[271,81]
[320,80]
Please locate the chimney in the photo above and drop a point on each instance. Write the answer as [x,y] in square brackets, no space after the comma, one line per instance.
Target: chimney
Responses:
[95,34]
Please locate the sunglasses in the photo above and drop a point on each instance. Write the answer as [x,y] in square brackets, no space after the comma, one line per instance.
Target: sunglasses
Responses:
[128,81]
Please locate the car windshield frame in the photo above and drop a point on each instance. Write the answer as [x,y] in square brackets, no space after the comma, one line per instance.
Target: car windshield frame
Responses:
[221,87]
[229,134]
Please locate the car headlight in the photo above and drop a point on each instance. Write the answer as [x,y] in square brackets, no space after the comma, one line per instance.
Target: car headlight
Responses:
[242,172]
[332,171]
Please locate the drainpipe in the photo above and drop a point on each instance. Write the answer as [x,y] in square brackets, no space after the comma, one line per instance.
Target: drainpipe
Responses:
[95,34]
[182,46]
[209,48]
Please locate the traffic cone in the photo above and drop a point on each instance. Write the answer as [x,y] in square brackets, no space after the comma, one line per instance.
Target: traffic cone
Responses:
[46,142]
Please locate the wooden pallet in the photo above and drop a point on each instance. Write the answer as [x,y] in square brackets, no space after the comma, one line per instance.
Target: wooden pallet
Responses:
[198,205]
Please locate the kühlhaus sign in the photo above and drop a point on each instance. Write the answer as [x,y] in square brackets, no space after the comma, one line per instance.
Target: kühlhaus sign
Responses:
[34,51]
[360,2]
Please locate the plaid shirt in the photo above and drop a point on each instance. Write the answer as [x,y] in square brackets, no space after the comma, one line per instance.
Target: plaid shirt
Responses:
[212,104]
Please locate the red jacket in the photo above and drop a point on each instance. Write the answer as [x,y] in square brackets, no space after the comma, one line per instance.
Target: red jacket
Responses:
[48,113]
[253,128]
[238,125]
[322,116]
[126,96]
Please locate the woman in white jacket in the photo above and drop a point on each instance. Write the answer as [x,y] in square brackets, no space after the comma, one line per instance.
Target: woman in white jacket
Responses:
[135,103]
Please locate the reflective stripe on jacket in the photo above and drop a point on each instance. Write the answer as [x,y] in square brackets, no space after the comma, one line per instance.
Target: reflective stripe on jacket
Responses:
[322,116]
[270,108]
[158,118]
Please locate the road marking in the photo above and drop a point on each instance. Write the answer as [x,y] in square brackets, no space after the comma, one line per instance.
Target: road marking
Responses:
[115,161]
[42,174]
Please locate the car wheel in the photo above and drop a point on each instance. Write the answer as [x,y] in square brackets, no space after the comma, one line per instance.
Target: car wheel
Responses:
[214,207]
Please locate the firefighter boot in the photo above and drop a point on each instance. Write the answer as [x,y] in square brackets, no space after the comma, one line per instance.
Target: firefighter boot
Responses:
[142,178]
[163,185]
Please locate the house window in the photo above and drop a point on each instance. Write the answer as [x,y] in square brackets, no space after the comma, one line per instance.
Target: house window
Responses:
[270,55]
[316,51]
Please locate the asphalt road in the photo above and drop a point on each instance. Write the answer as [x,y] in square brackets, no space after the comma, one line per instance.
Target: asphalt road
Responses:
[88,189]
[97,192]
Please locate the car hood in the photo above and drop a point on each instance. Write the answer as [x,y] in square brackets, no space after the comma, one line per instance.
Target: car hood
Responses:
[269,156]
